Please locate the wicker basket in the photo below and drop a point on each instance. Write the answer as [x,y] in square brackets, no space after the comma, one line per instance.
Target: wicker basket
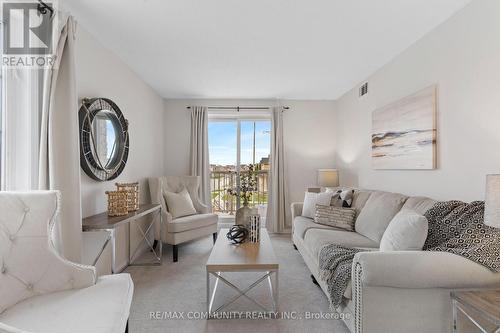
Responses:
[132,190]
[117,203]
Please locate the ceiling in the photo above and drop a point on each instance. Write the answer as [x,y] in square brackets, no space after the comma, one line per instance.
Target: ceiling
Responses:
[286,49]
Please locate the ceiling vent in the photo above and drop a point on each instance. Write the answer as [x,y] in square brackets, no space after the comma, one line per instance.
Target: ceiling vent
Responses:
[363,90]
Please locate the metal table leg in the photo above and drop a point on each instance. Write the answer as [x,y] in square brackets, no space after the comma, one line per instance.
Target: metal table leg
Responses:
[273,290]
[144,234]
[455,323]
[276,290]
[208,294]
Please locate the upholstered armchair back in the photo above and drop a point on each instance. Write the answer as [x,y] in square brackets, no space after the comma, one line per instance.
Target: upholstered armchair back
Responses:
[178,183]
[29,263]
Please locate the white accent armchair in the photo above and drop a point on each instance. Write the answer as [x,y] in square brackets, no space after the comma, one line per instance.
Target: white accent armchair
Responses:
[186,228]
[42,292]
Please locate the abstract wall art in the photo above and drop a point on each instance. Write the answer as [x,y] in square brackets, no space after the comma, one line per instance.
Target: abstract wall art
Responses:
[404,133]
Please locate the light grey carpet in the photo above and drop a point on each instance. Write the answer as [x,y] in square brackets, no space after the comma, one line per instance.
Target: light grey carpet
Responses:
[181,287]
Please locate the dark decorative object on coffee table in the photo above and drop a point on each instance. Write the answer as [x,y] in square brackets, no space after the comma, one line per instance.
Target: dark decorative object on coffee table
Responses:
[237,234]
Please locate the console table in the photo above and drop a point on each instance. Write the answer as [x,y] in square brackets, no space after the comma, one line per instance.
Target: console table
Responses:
[104,222]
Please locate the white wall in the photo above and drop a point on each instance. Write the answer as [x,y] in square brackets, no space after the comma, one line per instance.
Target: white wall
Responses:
[462,56]
[310,143]
[100,73]
[308,130]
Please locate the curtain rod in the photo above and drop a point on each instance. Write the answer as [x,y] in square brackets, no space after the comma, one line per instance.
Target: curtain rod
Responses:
[238,108]
[43,8]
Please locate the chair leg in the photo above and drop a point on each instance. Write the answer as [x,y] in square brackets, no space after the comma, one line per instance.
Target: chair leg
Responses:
[174,252]
[214,235]
[126,327]
[295,247]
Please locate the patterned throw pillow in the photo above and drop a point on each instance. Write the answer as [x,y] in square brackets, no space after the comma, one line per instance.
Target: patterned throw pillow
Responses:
[342,198]
[343,218]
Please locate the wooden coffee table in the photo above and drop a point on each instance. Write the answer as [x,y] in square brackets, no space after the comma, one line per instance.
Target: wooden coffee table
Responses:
[246,257]
[472,303]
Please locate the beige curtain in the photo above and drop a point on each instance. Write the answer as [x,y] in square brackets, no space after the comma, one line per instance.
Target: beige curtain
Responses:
[277,200]
[199,161]
[59,163]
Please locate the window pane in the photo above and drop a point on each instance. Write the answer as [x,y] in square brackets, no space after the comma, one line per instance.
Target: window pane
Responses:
[222,143]
[256,149]
[257,132]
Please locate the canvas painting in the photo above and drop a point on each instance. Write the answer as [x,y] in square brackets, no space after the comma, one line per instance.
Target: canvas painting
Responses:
[404,133]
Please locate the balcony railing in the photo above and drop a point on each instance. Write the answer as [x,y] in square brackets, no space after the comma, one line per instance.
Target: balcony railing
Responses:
[222,181]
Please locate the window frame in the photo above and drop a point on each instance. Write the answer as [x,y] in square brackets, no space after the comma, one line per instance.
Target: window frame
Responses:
[214,116]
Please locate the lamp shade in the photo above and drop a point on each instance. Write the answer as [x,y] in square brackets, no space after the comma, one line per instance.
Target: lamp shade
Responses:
[328,177]
[492,201]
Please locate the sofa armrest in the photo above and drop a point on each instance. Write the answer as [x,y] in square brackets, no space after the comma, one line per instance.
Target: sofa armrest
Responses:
[421,270]
[296,209]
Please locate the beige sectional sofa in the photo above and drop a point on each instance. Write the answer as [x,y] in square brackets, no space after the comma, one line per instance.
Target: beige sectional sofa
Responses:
[390,291]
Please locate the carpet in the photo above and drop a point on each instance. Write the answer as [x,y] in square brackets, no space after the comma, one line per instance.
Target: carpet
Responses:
[172,297]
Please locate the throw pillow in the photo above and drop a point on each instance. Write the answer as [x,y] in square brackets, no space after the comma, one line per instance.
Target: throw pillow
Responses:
[338,217]
[377,213]
[342,198]
[406,232]
[313,199]
[179,204]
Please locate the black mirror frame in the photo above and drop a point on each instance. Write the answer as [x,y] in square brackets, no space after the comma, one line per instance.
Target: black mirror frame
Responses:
[90,107]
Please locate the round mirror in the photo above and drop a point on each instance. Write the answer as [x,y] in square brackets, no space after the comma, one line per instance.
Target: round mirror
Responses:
[106,135]
[103,139]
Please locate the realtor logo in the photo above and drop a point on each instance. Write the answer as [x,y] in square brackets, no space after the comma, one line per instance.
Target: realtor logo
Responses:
[28,34]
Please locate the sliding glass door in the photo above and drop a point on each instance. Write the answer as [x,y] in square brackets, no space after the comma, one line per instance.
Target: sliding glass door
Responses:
[223,150]
[235,144]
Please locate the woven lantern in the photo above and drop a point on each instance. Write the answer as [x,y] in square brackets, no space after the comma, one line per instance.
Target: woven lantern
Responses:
[117,203]
[132,190]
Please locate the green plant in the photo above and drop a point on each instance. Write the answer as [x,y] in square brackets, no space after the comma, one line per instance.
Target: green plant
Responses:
[247,185]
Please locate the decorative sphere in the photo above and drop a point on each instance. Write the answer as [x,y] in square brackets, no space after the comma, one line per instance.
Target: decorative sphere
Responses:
[237,234]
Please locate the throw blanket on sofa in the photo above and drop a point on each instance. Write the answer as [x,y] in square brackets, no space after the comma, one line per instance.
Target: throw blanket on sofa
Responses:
[335,264]
[454,227]
[458,228]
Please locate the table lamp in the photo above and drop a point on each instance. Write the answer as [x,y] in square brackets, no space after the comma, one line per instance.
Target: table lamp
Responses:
[328,178]
[492,201]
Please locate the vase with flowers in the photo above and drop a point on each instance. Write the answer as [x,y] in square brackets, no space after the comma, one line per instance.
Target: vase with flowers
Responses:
[245,190]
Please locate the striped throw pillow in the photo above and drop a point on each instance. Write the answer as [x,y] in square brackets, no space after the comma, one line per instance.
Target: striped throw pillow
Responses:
[338,217]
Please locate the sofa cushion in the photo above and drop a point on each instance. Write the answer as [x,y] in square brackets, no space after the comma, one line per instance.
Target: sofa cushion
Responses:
[312,199]
[406,232]
[191,222]
[419,204]
[101,308]
[359,200]
[315,239]
[377,213]
[301,224]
